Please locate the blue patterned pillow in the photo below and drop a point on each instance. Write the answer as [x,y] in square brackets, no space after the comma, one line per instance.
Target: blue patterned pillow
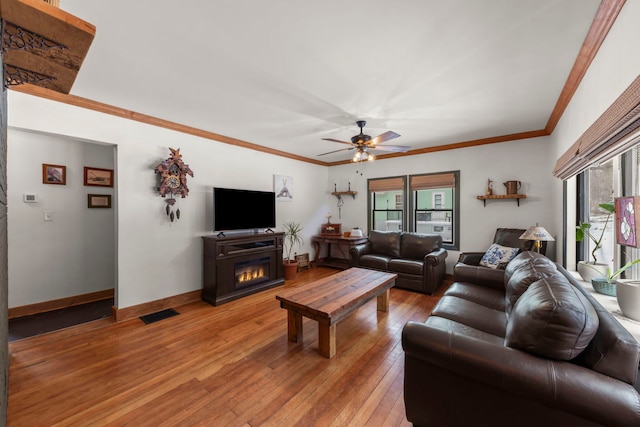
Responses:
[498,255]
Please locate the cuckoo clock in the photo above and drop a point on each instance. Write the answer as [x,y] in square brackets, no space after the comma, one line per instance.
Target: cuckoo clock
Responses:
[173,181]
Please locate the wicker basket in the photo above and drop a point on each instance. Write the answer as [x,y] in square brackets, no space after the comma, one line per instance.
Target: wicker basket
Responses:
[602,286]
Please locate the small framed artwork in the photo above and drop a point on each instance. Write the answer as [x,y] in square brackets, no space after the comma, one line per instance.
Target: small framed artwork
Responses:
[283,187]
[99,200]
[54,174]
[627,220]
[98,177]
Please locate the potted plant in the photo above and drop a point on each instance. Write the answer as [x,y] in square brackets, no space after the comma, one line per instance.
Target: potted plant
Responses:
[604,284]
[292,237]
[584,231]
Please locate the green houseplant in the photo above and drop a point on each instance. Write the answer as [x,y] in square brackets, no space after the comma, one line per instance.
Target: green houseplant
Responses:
[604,284]
[583,231]
[292,237]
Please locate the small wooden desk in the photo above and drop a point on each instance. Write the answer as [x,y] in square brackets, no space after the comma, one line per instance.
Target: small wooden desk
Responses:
[320,240]
[331,299]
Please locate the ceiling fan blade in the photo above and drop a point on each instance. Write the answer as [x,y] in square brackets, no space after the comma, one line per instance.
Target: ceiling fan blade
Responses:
[336,140]
[344,149]
[388,135]
[396,148]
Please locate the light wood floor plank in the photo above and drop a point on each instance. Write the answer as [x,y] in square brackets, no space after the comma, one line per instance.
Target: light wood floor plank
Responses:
[226,365]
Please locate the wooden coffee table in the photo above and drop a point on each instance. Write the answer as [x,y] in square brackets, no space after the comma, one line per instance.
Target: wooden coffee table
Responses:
[331,299]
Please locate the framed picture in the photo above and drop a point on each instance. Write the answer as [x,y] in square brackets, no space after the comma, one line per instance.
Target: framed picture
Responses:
[99,200]
[54,174]
[283,187]
[627,219]
[98,177]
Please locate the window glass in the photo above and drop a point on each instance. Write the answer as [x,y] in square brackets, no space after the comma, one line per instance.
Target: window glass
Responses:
[388,210]
[600,190]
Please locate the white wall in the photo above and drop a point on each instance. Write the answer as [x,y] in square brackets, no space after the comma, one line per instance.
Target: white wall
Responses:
[75,252]
[525,160]
[611,72]
[155,258]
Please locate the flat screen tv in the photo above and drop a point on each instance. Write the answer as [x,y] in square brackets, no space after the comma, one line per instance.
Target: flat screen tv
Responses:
[243,209]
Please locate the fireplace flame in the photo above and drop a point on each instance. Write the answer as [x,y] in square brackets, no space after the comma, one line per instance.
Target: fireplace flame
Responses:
[252,274]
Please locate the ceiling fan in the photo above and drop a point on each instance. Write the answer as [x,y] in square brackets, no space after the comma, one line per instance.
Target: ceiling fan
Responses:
[363,143]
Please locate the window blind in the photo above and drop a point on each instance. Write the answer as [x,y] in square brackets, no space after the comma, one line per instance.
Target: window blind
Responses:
[614,132]
[386,184]
[432,181]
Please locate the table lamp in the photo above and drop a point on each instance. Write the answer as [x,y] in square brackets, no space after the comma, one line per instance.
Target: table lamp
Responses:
[537,234]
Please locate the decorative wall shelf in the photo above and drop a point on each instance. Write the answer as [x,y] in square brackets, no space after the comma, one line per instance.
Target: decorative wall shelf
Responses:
[339,194]
[515,197]
[42,44]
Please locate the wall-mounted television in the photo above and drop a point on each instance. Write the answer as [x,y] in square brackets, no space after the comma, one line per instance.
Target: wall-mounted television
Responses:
[235,209]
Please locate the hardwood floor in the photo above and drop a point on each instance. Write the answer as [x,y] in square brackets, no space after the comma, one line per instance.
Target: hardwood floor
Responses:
[226,365]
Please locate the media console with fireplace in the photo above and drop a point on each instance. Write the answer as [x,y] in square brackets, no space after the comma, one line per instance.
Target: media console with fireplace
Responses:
[239,265]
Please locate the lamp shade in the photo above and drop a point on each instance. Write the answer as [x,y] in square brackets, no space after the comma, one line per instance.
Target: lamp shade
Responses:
[537,233]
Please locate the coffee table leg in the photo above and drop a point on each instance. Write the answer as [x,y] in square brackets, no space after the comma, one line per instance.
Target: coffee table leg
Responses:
[294,326]
[383,301]
[327,340]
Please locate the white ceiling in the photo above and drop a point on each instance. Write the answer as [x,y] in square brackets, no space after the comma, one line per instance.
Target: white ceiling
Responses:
[286,73]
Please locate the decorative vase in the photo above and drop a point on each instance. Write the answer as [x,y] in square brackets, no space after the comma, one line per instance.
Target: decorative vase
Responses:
[590,271]
[290,269]
[628,295]
[603,286]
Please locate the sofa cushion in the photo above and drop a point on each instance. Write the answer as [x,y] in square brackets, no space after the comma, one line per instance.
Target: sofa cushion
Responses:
[497,255]
[385,243]
[523,258]
[522,277]
[472,314]
[462,329]
[408,266]
[489,297]
[417,246]
[552,319]
[377,262]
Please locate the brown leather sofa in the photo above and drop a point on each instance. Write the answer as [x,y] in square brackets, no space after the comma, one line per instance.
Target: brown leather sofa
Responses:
[535,349]
[417,259]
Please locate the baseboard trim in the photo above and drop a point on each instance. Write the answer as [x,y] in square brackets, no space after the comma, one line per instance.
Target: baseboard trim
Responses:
[135,311]
[56,304]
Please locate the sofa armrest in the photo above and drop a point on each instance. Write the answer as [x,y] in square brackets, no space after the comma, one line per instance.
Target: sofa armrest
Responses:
[437,257]
[357,251]
[471,258]
[484,276]
[562,386]
[434,269]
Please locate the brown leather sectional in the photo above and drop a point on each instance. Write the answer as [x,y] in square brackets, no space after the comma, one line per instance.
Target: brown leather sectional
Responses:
[417,259]
[533,349]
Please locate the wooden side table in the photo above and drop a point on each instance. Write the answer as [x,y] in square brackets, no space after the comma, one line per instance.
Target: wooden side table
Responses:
[340,243]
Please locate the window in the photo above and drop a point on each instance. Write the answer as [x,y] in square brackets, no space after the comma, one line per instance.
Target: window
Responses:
[432,198]
[598,185]
[386,201]
[438,200]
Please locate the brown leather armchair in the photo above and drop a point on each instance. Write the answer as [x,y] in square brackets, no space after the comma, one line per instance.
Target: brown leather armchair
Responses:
[510,237]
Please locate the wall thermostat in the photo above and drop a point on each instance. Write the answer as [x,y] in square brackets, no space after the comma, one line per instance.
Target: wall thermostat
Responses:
[30,198]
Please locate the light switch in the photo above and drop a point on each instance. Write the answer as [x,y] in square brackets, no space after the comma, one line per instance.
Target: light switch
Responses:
[48,216]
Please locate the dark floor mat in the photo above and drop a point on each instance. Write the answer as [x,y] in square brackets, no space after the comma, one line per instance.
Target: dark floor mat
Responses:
[154,317]
[36,324]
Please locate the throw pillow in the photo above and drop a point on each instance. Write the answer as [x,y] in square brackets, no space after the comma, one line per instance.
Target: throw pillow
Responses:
[498,254]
